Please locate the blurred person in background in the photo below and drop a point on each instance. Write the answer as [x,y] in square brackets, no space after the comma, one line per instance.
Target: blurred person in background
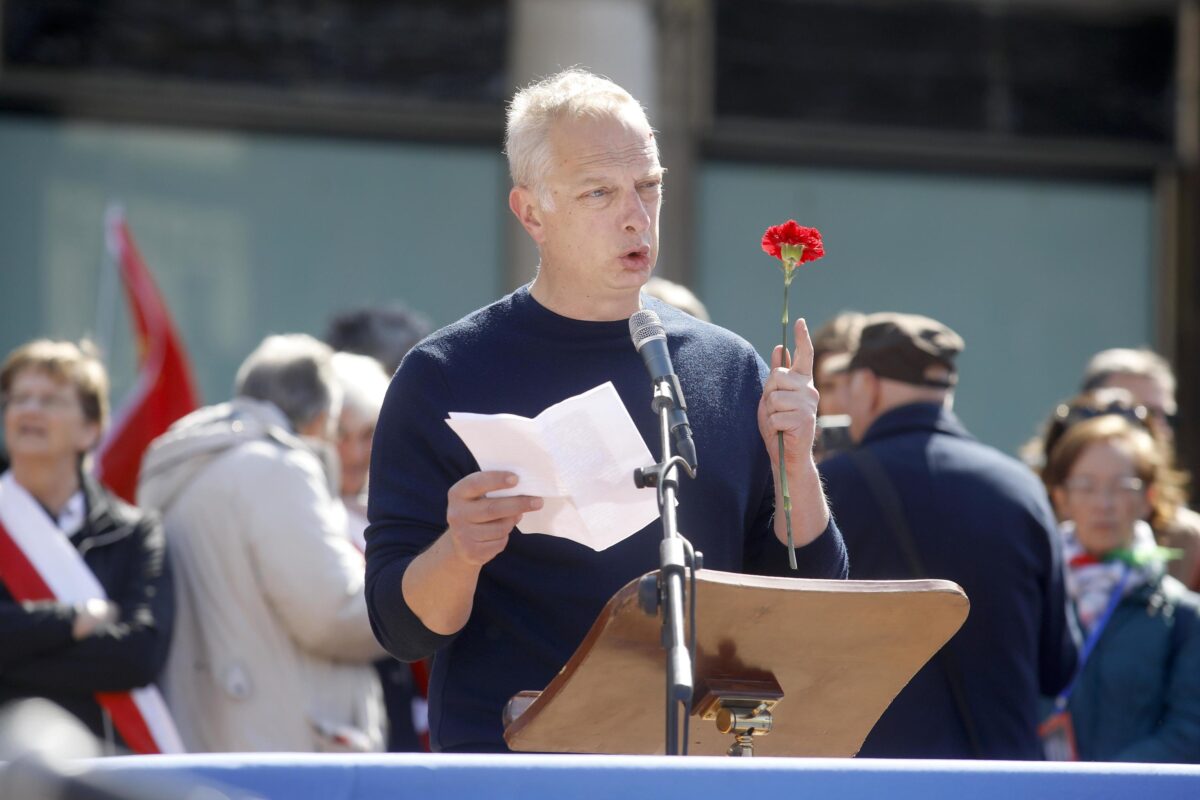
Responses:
[1148,377]
[1173,524]
[364,383]
[833,344]
[1144,374]
[678,295]
[919,497]
[1083,406]
[384,332]
[1136,695]
[273,648]
[61,529]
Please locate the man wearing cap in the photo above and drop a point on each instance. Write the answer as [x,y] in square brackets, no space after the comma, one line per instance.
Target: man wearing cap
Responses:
[919,497]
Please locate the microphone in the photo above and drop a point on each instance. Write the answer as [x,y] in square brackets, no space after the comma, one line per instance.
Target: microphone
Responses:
[650,339]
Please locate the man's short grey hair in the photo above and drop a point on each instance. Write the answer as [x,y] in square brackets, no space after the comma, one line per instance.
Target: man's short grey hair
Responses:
[295,372]
[570,94]
[1125,361]
[363,383]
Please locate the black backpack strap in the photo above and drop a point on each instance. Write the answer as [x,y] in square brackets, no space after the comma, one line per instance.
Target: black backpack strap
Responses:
[885,493]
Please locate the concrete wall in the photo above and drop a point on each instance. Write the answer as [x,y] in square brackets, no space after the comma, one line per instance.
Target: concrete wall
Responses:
[246,234]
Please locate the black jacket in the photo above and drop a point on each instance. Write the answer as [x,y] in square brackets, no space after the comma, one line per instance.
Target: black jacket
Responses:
[982,520]
[125,549]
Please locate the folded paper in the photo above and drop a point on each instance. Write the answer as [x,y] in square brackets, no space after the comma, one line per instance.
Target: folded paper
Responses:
[579,456]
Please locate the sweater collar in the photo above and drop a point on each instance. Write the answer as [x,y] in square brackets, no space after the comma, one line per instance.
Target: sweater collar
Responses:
[542,320]
[916,417]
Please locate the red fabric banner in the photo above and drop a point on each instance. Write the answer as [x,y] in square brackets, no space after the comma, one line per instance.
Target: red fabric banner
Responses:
[165,389]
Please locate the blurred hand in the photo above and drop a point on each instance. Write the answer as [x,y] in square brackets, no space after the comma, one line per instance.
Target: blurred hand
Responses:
[478,526]
[90,615]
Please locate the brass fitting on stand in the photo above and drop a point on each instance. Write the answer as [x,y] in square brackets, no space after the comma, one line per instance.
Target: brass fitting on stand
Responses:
[744,723]
[742,708]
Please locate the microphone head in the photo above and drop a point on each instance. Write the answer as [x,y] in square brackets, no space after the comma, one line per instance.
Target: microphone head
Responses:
[645,325]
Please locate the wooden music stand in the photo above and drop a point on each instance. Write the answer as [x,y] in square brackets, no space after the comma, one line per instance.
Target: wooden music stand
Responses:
[835,653]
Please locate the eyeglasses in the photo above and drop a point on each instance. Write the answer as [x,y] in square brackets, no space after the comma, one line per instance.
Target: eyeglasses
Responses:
[1122,488]
[44,402]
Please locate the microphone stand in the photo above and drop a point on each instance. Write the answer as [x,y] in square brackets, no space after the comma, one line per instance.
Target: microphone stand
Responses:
[672,568]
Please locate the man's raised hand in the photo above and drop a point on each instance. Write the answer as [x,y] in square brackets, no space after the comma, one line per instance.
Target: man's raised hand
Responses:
[789,401]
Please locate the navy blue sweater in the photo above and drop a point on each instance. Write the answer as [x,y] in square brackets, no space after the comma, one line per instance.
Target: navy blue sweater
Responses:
[982,520]
[538,598]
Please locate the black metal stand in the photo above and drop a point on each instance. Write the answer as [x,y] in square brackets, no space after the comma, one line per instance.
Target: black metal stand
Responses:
[672,570]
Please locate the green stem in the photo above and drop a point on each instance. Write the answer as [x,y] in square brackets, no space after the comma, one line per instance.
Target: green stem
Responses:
[783,482]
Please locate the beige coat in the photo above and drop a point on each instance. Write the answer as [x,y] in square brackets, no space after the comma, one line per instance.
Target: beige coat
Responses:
[272,647]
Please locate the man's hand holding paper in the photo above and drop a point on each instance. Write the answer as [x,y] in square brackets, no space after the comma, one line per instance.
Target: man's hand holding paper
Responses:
[578,456]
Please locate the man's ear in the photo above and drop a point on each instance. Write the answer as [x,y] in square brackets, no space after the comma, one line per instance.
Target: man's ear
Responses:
[524,206]
[873,388]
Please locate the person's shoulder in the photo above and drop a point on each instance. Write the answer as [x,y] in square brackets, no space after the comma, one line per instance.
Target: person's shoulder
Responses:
[123,513]
[467,331]
[681,323]
[992,464]
[707,344]
[839,466]
[117,513]
[841,478]
[1180,596]
[1185,523]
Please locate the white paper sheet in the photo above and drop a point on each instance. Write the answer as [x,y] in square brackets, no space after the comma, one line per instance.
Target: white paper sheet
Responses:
[579,456]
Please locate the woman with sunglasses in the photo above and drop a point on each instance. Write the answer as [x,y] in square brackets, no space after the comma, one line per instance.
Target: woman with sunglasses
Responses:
[1175,526]
[1136,694]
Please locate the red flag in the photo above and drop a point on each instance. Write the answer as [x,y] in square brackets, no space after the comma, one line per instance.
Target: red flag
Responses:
[165,389]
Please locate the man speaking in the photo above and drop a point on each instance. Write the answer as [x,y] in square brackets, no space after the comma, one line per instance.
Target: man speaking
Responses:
[447,574]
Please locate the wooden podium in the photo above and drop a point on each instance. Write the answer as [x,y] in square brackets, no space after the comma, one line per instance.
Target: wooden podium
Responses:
[837,653]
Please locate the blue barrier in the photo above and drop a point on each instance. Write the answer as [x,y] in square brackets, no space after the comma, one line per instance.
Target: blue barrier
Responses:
[296,776]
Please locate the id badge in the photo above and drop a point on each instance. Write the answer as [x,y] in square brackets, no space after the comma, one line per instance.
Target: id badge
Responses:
[1058,737]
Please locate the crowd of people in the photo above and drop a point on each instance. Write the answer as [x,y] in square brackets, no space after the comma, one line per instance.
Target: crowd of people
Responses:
[294,548]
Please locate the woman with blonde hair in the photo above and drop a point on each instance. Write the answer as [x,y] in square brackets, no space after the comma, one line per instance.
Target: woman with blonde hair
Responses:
[1136,695]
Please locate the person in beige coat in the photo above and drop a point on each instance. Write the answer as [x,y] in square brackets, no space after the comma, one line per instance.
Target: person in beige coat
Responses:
[272,648]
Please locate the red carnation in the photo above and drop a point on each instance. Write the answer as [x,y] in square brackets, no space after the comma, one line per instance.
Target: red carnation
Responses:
[793,245]
[790,233]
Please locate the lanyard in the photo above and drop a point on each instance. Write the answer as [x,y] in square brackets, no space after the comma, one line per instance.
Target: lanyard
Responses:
[1114,600]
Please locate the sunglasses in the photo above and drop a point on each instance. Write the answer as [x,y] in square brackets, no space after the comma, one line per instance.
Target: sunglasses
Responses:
[1067,415]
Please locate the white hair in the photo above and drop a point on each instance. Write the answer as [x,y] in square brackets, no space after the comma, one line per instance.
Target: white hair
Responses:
[293,371]
[363,382]
[570,94]
[678,295]
[1126,361]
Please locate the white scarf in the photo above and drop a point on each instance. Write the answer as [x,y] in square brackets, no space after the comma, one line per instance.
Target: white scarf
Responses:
[1091,581]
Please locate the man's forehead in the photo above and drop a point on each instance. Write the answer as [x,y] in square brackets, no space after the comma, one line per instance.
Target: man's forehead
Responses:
[631,155]
[1145,389]
[591,145]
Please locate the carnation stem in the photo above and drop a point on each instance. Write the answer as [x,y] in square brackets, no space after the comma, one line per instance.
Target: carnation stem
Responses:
[783,481]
